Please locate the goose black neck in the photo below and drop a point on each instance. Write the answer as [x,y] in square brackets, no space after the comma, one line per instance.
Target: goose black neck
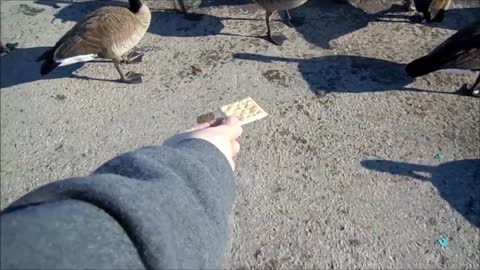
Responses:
[135,5]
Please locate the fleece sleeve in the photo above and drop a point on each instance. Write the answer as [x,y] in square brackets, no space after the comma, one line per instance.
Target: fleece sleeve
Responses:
[162,207]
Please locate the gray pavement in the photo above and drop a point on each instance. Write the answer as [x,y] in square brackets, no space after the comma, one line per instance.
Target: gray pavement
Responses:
[342,174]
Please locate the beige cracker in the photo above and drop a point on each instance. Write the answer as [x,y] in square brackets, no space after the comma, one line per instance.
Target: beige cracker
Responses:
[246,110]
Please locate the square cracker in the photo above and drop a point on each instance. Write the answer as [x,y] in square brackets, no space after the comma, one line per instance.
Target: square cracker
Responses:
[246,110]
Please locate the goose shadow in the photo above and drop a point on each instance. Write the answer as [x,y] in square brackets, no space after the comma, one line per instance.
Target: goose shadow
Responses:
[174,24]
[20,67]
[168,23]
[327,20]
[219,3]
[455,18]
[458,181]
[347,73]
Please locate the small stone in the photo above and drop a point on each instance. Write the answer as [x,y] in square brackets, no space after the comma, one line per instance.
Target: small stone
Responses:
[257,253]
[196,69]
[354,242]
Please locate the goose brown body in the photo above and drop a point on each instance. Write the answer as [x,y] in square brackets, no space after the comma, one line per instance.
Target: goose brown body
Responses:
[108,32]
[273,5]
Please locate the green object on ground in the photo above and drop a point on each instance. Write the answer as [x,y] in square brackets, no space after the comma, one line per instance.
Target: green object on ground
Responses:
[443,242]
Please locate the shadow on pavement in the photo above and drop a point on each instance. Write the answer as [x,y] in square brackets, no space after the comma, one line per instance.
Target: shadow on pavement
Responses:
[174,24]
[20,67]
[327,20]
[219,3]
[455,19]
[347,73]
[163,23]
[458,182]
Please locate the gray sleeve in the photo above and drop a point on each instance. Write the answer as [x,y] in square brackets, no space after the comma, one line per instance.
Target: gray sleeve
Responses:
[160,207]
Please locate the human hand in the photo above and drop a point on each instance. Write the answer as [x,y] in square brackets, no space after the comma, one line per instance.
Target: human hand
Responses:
[223,133]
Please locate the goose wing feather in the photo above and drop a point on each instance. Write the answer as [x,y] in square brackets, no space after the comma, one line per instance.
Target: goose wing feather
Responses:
[462,50]
[108,32]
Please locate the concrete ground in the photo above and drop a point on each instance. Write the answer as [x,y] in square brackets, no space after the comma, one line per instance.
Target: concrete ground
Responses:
[342,174]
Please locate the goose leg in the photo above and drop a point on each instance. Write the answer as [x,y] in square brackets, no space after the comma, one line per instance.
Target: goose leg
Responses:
[473,91]
[130,77]
[181,5]
[277,40]
[188,16]
[288,19]
[293,22]
[409,6]
[133,57]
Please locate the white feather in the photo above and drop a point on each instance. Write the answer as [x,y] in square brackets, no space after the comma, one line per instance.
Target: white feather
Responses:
[76,59]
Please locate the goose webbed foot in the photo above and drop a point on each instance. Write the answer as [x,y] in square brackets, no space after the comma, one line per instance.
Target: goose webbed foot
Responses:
[465,90]
[417,18]
[475,89]
[276,39]
[132,78]
[476,93]
[133,57]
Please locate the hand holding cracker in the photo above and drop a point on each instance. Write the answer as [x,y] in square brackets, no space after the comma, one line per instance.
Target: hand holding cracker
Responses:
[246,110]
[222,133]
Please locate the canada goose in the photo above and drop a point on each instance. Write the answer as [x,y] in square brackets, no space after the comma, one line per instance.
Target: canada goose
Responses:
[108,33]
[432,10]
[271,6]
[460,51]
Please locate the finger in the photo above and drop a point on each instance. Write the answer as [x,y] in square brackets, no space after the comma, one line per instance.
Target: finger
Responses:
[232,163]
[231,120]
[235,147]
[217,122]
[230,132]
[211,123]
[200,126]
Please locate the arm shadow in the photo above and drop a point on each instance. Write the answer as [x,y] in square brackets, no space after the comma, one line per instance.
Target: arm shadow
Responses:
[458,181]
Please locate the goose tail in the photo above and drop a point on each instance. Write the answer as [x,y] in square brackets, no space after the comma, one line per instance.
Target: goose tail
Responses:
[45,55]
[437,10]
[47,66]
[420,67]
[49,63]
